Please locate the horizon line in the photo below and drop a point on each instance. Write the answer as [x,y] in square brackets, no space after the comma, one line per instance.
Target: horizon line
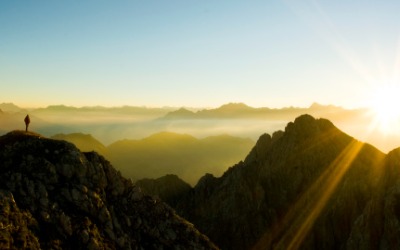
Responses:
[178,107]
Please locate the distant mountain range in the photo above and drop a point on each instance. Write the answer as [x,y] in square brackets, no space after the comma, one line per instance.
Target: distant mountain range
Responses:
[310,186]
[110,124]
[167,153]
[230,110]
[243,111]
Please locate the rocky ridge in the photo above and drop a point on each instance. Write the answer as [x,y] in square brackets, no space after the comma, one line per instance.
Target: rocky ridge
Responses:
[52,196]
[308,187]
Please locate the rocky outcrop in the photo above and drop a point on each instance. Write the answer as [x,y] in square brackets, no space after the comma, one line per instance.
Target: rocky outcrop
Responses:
[15,225]
[308,187]
[52,196]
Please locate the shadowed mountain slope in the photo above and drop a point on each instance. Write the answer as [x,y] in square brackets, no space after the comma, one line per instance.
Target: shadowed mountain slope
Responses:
[52,196]
[308,187]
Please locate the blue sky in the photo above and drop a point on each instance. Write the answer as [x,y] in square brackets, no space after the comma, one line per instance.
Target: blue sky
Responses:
[196,53]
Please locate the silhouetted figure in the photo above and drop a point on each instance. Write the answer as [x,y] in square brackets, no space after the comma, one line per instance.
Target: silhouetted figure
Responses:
[27,120]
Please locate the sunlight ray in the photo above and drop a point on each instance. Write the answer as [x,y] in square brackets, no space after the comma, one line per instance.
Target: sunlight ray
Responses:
[298,221]
[326,185]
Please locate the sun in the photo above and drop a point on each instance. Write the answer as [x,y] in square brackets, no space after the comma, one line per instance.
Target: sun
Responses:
[385,106]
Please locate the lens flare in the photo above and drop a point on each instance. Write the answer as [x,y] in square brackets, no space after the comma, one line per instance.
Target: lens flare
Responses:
[385,107]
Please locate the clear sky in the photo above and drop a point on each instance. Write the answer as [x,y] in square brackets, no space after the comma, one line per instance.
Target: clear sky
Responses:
[199,53]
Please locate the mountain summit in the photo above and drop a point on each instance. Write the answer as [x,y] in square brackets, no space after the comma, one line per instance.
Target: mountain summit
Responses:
[310,186]
[52,196]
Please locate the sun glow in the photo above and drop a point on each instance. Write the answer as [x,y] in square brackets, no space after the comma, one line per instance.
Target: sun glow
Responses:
[385,106]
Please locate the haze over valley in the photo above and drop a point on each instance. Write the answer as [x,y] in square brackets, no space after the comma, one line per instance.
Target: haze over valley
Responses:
[168,153]
[110,124]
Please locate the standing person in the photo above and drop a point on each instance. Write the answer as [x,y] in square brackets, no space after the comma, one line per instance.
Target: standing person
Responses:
[27,120]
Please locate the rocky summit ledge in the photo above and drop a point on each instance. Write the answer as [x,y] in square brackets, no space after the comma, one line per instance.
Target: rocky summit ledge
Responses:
[52,196]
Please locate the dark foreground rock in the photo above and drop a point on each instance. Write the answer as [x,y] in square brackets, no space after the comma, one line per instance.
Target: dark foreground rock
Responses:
[52,196]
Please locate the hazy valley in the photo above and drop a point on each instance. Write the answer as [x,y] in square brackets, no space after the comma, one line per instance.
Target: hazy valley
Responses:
[109,125]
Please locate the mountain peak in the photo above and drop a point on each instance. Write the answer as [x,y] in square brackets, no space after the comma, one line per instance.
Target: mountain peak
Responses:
[10,107]
[306,126]
[312,173]
[62,198]
[180,113]
[234,106]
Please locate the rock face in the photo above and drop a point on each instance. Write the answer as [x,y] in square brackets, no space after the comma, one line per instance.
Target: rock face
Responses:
[52,196]
[309,187]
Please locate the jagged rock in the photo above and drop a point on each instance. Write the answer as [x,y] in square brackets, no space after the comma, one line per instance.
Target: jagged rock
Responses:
[52,196]
[15,225]
[308,187]
[263,143]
